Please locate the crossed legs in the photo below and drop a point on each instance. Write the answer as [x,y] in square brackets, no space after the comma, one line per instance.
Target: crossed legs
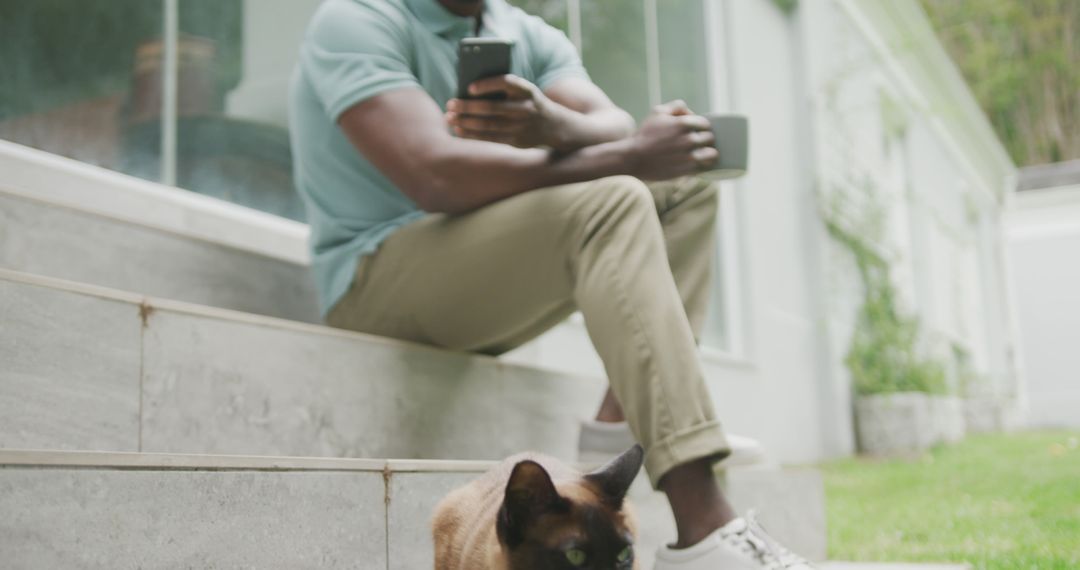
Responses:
[634,259]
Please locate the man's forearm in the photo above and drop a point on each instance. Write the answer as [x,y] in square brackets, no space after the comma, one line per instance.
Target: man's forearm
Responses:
[402,133]
[577,130]
[467,174]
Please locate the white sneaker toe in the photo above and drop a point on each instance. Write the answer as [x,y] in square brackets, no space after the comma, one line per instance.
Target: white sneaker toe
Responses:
[740,545]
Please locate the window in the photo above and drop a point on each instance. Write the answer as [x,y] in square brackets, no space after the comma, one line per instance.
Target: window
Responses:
[621,71]
[77,78]
[87,83]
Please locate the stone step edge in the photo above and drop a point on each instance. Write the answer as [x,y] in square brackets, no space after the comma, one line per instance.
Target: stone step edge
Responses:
[130,460]
[136,460]
[288,254]
[43,176]
[147,305]
[839,565]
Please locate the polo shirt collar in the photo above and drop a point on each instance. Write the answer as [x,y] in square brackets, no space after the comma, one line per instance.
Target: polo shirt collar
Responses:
[441,21]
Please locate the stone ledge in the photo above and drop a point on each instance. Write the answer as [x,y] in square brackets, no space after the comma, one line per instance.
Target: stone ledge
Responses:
[100,510]
[198,379]
[53,179]
[39,237]
[890,566]
[50,459]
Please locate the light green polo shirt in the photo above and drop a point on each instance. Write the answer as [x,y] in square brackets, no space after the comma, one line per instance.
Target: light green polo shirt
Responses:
[356,49]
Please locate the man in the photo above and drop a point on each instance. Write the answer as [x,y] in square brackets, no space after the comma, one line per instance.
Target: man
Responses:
[476,225]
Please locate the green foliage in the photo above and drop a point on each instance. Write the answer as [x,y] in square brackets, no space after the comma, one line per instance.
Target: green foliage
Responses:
[1000,502]
[552,11]
[894,119]
[57,52]
[788,6]
[968,380]
[1020,58]
[884,356]
[614,51]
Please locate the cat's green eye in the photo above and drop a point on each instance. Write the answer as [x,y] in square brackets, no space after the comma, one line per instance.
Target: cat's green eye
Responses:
[576,556]
[625,556]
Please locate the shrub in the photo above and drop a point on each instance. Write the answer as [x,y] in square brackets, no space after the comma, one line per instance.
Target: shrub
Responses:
[884,356]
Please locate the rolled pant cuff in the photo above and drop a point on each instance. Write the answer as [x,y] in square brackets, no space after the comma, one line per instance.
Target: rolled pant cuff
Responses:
[700,441]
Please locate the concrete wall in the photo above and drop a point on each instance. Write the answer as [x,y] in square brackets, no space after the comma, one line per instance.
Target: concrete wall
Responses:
[1043,244]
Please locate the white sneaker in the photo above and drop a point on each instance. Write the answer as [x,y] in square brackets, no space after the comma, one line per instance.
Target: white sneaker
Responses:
[600,441]
[740,545]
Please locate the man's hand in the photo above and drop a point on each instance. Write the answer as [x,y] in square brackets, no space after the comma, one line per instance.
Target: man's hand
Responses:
[672,142]
[526,118]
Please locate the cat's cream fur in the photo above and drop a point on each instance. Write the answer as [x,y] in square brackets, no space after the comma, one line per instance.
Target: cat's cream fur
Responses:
[464,524]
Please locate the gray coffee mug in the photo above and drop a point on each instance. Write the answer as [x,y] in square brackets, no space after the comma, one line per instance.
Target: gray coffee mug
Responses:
[732,134]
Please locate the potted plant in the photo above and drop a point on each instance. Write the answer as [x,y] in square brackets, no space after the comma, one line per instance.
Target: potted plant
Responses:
[902,403]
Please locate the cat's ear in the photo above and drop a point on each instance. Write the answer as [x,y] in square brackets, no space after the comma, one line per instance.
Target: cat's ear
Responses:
[529,494]
[614,479]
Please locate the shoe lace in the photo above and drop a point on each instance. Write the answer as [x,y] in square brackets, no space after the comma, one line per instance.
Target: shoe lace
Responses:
[759,545]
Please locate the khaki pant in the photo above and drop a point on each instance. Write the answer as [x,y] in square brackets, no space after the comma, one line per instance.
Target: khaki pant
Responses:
[634,259]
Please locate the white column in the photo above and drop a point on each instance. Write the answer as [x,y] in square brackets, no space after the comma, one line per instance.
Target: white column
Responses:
[169,93]
[652,52]
[573,20]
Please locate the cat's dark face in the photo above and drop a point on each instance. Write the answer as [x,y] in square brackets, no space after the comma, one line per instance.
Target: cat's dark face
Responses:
[573,526]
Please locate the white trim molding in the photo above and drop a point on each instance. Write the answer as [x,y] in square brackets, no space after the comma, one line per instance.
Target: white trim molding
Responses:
[1036,215]
[46,177]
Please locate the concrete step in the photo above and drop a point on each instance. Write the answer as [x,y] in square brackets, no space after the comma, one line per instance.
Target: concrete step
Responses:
[88,368]
[65,219]
[891,566]
[108,510]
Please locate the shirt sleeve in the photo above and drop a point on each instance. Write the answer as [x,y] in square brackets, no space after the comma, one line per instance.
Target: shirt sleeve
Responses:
[554,56]
[352,52]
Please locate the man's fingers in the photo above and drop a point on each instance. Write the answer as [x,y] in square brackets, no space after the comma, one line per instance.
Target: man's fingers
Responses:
[495,125]
[699,138]
[677,107]
[695,122]
[514,86]
[705,156]
[519,83]
[484,135]
[512,109]
[489,85]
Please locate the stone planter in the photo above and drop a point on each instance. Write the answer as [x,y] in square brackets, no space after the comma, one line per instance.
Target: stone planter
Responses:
[907,422]
[990,414]
[948,416]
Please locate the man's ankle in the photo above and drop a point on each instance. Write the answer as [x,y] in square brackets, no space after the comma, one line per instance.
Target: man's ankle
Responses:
[692,534]
[610,410]
[697,502]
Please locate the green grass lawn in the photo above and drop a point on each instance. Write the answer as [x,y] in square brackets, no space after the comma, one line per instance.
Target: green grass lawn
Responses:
[996,502]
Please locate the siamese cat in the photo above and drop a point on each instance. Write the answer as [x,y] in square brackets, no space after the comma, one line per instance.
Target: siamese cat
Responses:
[532,512]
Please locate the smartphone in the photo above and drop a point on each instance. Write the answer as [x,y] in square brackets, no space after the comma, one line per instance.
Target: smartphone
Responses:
[480,58]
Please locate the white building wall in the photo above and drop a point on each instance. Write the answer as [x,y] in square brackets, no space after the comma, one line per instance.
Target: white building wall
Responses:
[780,401]
[1043,249]
[883,125]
